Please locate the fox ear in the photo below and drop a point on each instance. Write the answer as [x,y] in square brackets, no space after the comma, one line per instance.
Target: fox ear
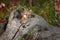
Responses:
[25,11]
[30,10]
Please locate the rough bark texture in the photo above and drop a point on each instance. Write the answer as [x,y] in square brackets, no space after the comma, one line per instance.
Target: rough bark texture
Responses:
[12,32]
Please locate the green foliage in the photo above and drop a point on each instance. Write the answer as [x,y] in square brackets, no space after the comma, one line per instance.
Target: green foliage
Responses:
[21,38]
[44,8]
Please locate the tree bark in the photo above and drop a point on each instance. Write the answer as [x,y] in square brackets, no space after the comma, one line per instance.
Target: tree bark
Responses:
[14,25]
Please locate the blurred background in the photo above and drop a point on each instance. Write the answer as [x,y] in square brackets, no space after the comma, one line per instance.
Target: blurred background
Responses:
[44,8]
